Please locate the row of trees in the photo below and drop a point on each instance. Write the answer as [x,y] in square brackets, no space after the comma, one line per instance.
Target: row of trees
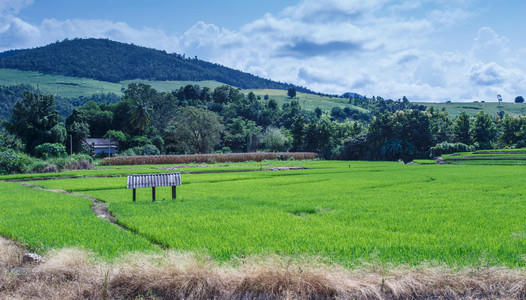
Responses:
[200,120]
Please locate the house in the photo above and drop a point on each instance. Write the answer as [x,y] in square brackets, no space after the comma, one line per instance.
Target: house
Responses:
[103,146]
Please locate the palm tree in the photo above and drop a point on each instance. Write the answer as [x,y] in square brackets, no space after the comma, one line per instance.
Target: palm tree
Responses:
[141,114]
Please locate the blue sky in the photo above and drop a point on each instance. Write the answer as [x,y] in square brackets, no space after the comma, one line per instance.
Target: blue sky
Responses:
[459,50]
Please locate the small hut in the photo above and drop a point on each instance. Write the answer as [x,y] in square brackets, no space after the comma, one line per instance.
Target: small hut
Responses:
[102,146]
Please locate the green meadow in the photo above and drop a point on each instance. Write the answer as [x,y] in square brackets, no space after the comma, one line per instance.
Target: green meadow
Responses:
[72,87]
[473,108]
[348,212]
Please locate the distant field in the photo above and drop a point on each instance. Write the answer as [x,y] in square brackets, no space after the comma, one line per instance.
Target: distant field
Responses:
[58,85]
[492,108]
[307,101]
[493,157]
[350,212]
[65,86]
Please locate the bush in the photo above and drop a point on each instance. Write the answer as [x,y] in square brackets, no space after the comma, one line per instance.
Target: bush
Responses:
[447,148]
[152,150]
[49,150]
[75,162]
[14,162]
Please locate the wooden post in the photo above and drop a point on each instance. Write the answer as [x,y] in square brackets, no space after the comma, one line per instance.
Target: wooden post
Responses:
[174,195]
[153,193]
[134,194]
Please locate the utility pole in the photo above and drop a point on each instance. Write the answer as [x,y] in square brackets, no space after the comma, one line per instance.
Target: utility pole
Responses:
[70,144]
[147,145]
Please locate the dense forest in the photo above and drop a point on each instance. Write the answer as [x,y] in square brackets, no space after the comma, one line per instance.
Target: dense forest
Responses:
[200,120]
[106,60]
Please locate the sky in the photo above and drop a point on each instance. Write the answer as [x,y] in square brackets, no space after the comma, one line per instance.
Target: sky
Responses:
[426,50]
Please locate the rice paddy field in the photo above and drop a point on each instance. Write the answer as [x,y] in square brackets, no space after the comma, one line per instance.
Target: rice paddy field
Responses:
[347,212]
[510,157]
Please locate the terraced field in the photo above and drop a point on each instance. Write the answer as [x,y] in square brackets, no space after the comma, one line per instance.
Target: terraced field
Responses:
[348,212]
[512,157]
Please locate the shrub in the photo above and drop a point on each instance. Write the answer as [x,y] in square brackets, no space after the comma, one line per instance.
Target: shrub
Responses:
[447,148]
[49,150]
[152,150]
[13,162]
[75,162]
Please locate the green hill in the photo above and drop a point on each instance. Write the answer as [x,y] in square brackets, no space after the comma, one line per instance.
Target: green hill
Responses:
[114,62]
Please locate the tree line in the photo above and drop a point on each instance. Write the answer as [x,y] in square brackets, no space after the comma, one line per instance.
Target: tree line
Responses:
[193,119]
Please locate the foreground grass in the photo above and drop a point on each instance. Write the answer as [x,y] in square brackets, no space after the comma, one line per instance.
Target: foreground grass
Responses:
[76,274]
[43,220]
[349,211]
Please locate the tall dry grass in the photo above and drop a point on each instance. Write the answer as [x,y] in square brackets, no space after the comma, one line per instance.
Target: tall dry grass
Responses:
[76,274]
[206,158]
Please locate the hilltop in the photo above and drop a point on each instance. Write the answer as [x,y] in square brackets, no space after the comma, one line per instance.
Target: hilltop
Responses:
[111,61]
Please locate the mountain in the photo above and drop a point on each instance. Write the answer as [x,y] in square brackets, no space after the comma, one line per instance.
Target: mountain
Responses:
[107,60]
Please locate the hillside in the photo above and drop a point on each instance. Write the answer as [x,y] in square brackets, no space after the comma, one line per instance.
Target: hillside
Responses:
[473,108]
[112,61]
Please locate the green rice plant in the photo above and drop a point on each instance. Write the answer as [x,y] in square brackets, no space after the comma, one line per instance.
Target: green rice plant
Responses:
[348,211]
[43,220]
[425,161]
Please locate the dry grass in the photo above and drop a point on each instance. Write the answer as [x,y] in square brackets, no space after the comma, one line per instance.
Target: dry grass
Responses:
[10,254]
[206,158]
[75,274]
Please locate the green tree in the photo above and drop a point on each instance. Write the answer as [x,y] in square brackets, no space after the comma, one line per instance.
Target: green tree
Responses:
[193,130]
[511,130]
[291,92]
[403,135]
[274,140]
[36,121]
[99,120]
[77,129]
[483,130]
[519,99]
[440,125]
[116,136]
[225,94]
[462,129]
[141,114]
[318,112]
[241,135]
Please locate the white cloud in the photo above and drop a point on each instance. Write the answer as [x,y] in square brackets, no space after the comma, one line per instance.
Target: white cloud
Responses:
[489,46]
[12,7]
[377,47]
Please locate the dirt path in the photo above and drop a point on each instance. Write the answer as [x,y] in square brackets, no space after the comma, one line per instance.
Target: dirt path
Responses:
[98,207]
